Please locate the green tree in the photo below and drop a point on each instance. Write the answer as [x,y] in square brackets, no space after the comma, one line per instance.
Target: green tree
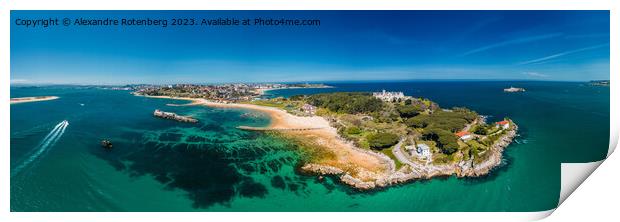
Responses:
[419,121]
[446,140]
[482,129]
[382,140]
[347,102]
[407,111]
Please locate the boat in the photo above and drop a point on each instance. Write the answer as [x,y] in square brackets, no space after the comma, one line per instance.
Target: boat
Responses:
[106,144]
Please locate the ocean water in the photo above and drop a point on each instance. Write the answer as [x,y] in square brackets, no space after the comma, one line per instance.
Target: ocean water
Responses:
[162,165]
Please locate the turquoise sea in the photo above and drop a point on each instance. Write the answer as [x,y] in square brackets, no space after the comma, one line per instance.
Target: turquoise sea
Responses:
[162,165]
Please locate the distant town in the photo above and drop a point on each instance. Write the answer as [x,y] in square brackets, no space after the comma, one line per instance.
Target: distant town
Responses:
[223,93]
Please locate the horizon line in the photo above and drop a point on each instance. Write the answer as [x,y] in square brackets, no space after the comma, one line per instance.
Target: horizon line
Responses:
[297,82]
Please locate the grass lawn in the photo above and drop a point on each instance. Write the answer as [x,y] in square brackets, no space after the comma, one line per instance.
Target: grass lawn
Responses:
[388,152]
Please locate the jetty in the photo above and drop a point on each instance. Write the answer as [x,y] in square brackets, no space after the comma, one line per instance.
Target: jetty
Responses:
[174,116]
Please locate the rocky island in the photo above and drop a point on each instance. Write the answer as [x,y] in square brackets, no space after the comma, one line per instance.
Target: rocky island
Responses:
[514,89]
[372,140]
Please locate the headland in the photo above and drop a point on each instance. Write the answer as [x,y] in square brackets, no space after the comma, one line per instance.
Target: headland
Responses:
[376,140]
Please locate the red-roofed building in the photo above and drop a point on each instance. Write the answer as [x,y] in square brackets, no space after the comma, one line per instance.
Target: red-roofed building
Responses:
[464,135]
[503,124]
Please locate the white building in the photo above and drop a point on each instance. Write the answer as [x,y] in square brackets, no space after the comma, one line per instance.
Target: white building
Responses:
[464,135]
[421,150]
[389,96]
[503,124]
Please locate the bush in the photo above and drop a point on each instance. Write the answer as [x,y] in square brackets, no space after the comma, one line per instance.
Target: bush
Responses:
[482,129]
[417,122]
[408,111]
[446,141]
[382,140]
[354,130]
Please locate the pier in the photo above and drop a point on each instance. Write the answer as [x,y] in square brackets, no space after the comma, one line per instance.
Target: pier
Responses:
[174,116]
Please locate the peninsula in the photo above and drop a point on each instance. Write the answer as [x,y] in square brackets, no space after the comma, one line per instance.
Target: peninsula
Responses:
[32,99]
[372,140]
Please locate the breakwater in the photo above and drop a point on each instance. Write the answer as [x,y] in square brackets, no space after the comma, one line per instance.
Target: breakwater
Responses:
[174,116]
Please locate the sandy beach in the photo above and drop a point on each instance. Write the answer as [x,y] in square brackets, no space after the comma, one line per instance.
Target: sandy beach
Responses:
[359,168]
[32,99]
[344,157]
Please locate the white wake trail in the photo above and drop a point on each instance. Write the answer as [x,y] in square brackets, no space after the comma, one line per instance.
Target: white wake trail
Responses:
[50,139]
[62,131]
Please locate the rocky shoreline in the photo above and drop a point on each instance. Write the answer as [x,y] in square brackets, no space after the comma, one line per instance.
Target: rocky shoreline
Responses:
[411,172]
[361,178]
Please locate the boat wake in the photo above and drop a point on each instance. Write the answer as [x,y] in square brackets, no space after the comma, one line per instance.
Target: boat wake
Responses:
[50,139]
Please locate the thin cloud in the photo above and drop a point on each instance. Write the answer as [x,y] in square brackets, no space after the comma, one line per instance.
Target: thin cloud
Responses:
[587,36]
[535,74]
[512,42]
[563,54]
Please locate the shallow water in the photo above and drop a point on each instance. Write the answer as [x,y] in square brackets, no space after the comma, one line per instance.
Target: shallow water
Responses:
[162,165]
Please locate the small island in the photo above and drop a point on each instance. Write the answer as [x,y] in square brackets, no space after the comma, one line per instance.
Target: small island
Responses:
[599,83]
[32,99]
[514,89]
[372,140]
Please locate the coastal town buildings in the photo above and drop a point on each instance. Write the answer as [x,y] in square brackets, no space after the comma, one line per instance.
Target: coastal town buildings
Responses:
[223,93]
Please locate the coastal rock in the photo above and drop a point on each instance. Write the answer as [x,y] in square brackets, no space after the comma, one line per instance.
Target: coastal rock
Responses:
[357,183]
[466,168]
[321,169]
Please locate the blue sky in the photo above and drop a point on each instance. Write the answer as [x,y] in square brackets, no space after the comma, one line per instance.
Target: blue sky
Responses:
[348,45]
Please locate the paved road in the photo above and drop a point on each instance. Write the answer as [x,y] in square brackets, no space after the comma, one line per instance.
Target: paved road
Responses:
[468,126]
[400,155]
